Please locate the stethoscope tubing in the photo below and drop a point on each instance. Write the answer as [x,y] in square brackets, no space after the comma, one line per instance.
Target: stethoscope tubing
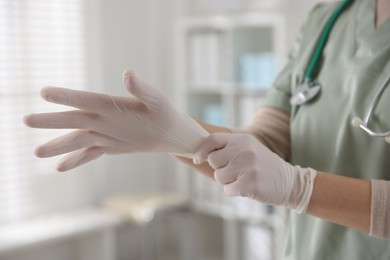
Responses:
[371,108]
[316,56]
[310,88]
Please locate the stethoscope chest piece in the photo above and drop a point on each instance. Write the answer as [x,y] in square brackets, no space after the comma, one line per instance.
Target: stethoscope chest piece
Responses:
[310,88]
[305,93]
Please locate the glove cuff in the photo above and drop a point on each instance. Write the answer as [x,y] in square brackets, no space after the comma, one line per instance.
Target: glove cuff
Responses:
[185,137]
[302,189]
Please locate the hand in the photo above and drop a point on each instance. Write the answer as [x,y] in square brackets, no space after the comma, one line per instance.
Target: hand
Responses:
[146,122]
[247,168]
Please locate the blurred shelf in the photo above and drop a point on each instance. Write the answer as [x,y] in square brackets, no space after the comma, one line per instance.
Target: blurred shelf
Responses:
[226,64]
[229,212]
[209,85]
[245,91]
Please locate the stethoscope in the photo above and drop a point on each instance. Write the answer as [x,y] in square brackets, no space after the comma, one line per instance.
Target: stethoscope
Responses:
[310,88]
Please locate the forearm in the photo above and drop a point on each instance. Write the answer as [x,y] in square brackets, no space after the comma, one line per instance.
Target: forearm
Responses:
[204,167]
[271,126]
[341,200]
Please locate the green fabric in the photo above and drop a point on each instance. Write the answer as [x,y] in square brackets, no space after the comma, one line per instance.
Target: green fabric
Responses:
[356,61]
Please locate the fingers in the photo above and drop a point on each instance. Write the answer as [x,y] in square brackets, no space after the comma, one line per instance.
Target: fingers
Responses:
[232,189]
[227,175]
[78,158]
[150,96]
[211,143]
[94,102]
[68,143]
[84,146]
[61,120]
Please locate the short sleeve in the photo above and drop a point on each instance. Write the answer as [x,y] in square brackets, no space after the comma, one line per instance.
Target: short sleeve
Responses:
[279,95]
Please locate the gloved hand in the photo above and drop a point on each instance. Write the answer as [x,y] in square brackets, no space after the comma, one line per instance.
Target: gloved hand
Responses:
[146,122]
[247,168]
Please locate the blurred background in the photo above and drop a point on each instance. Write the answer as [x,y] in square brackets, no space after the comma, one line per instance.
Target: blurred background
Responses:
[214,59]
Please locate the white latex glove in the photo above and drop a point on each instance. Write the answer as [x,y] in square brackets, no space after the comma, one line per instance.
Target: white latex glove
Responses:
[247,168]
[107,124]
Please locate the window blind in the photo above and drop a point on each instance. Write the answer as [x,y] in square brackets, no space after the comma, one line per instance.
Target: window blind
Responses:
[41,43]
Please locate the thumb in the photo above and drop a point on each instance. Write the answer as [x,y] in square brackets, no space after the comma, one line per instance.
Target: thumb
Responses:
[211,143]
[150,96]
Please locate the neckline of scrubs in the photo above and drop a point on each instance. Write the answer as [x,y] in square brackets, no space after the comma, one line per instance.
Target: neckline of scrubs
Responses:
[370,39]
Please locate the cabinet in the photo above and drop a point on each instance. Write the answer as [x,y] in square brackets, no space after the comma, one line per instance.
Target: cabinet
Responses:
[225,66]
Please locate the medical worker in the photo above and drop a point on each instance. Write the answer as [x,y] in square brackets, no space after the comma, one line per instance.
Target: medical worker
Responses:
[301,150]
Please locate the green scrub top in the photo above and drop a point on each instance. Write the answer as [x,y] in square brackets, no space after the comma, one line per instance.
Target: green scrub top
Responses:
[355,62]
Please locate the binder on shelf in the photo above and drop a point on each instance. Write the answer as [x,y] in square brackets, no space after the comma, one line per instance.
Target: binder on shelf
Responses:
[208,194]
[258,242]
[200,190]
[225,4]
[204,59]
[248,106]
[249,209]
[257,70]
[213,114]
